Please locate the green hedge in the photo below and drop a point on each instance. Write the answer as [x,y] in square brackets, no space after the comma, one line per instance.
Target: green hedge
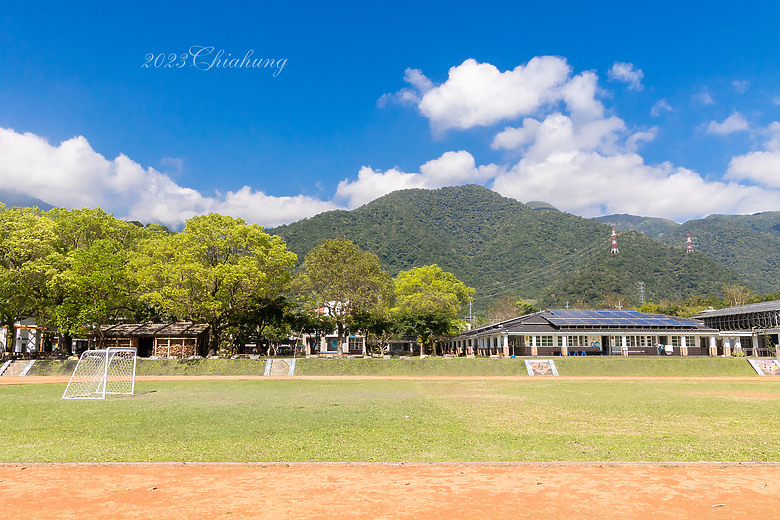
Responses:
[432,366]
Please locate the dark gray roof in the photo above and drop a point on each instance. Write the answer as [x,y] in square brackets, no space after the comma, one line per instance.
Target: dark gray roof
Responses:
[154,329]
[742,309]
[592,321]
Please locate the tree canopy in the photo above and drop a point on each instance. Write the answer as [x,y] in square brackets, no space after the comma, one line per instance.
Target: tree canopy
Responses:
[341,279]
[212,271]
[429,301]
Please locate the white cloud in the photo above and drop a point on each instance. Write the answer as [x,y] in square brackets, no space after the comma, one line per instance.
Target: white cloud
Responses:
[660,107]
[74,175]
[736,122]
[760,167]
[626,73]
[478,94]
[559,133]
[590,184]
[579,159]
[452,168]
[704,98]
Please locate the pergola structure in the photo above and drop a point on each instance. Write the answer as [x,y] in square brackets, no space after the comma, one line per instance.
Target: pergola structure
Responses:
[587,332]
[754,327]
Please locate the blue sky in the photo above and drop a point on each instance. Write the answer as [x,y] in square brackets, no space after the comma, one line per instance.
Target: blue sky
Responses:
[666,108]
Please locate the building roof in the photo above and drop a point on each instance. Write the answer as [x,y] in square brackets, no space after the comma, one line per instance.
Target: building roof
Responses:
[742,309]
[154,329]
[595,321]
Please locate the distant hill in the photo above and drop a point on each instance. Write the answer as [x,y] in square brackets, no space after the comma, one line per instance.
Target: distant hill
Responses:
[747,244]
[651,226]
[13,198]
[503,247]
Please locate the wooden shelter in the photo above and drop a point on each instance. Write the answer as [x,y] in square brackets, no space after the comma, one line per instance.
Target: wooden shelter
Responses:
[166,340]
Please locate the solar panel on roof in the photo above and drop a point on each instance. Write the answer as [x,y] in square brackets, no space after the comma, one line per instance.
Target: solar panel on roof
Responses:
[614,317]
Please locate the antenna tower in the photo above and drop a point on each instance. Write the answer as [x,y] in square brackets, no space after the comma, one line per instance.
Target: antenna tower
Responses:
[689,245]
[641,293]
[614,249]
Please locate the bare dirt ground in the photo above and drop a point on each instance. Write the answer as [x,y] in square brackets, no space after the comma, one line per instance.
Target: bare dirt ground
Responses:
[391,491]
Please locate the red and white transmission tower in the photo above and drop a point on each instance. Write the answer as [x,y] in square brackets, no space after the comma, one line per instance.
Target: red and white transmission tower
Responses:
[614,249]
[689,245]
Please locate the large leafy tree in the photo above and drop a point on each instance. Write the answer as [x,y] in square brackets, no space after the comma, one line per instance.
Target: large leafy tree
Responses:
[28,260]
[212,271]
[94,286]
[342,279]
[429,301]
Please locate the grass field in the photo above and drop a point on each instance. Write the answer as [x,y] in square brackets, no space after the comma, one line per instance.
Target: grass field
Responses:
[435,366]
[298,420]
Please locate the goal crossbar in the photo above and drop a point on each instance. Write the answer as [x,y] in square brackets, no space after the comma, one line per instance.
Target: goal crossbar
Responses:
[98,373]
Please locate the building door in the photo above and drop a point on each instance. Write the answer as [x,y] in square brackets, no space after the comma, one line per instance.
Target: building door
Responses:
[606,349]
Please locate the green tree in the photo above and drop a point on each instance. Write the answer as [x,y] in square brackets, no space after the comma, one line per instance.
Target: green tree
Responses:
[429,302]
[342,279]
[212,271]
[94,286]
[378,326]
[28,260]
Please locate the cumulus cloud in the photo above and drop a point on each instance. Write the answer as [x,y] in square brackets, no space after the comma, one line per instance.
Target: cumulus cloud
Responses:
[74,175]
[660,107]
[626,73]
[759,167]
[478,94]
[592,168]
[452,168]
[571,153]
[736,122]
[590,184]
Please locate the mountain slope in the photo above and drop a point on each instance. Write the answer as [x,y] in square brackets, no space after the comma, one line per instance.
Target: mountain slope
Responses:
[749,245]
[503,247]
[13,198]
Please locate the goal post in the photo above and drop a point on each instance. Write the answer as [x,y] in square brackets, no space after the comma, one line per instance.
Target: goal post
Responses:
[98,373]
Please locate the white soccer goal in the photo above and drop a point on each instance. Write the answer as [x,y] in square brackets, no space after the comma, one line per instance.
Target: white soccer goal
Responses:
[103,372]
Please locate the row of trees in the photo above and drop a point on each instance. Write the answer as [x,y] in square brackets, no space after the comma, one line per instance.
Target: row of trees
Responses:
[75,270]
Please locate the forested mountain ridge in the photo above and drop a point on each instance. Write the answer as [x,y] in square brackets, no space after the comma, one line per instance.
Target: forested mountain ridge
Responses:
[503,247]
[749,245]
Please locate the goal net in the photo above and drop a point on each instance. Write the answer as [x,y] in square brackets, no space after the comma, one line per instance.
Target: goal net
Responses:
[102,372]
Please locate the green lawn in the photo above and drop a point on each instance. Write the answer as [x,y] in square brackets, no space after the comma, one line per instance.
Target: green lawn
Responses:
[434,366]
[299,420]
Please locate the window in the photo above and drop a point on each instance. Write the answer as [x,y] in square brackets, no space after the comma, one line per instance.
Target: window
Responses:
[546,341]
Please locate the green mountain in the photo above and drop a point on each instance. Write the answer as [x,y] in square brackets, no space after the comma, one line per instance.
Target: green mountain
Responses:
[503,247]
[651,226]
[13,198]
[749,245]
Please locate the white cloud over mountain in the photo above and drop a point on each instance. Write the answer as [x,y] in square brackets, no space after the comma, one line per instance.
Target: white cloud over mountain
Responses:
[73,175]
[452,168]
[558,141]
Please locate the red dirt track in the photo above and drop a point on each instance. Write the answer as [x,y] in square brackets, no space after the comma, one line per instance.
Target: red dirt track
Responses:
[391,491]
